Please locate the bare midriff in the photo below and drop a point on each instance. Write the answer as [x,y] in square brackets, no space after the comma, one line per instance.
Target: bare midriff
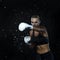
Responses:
[42,50]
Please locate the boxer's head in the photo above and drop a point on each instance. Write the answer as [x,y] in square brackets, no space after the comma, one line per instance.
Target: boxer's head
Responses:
[35,20]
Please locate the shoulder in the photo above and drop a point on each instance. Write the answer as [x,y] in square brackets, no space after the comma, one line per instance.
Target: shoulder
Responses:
[43,27]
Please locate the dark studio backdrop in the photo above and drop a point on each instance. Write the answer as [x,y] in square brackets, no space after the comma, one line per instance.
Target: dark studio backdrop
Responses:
[12,12]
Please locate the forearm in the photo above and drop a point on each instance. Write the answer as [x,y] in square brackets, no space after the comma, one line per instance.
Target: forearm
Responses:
[39,29]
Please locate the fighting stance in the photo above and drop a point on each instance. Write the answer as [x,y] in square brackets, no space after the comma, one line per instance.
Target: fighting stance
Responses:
[37,38]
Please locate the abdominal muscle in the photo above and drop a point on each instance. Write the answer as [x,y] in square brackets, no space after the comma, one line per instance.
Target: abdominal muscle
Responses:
[41,49]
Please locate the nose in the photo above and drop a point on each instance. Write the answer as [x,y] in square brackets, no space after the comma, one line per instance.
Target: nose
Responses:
[33,23]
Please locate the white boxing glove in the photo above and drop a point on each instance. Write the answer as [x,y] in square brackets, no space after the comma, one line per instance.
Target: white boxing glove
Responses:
[27,39]
[22,26]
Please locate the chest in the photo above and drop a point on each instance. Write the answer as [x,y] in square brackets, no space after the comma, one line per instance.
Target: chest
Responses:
[36,33]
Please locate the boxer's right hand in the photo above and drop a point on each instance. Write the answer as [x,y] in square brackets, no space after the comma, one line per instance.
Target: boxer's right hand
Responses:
[22,26]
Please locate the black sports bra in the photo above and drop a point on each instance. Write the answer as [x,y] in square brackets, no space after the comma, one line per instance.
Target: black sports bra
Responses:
[39,40]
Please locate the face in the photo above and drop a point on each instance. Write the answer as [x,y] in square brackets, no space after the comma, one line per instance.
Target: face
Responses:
[35,21]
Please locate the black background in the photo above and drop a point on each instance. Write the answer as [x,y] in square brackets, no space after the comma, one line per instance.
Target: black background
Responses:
[12,12]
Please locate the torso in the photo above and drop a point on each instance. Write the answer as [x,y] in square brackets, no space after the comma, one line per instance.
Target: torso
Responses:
[40,48]
[36,33]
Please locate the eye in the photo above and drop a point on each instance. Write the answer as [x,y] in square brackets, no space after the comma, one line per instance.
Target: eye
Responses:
[34,22]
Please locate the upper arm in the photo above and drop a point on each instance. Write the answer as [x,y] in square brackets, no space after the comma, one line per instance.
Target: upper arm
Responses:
[45,33]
